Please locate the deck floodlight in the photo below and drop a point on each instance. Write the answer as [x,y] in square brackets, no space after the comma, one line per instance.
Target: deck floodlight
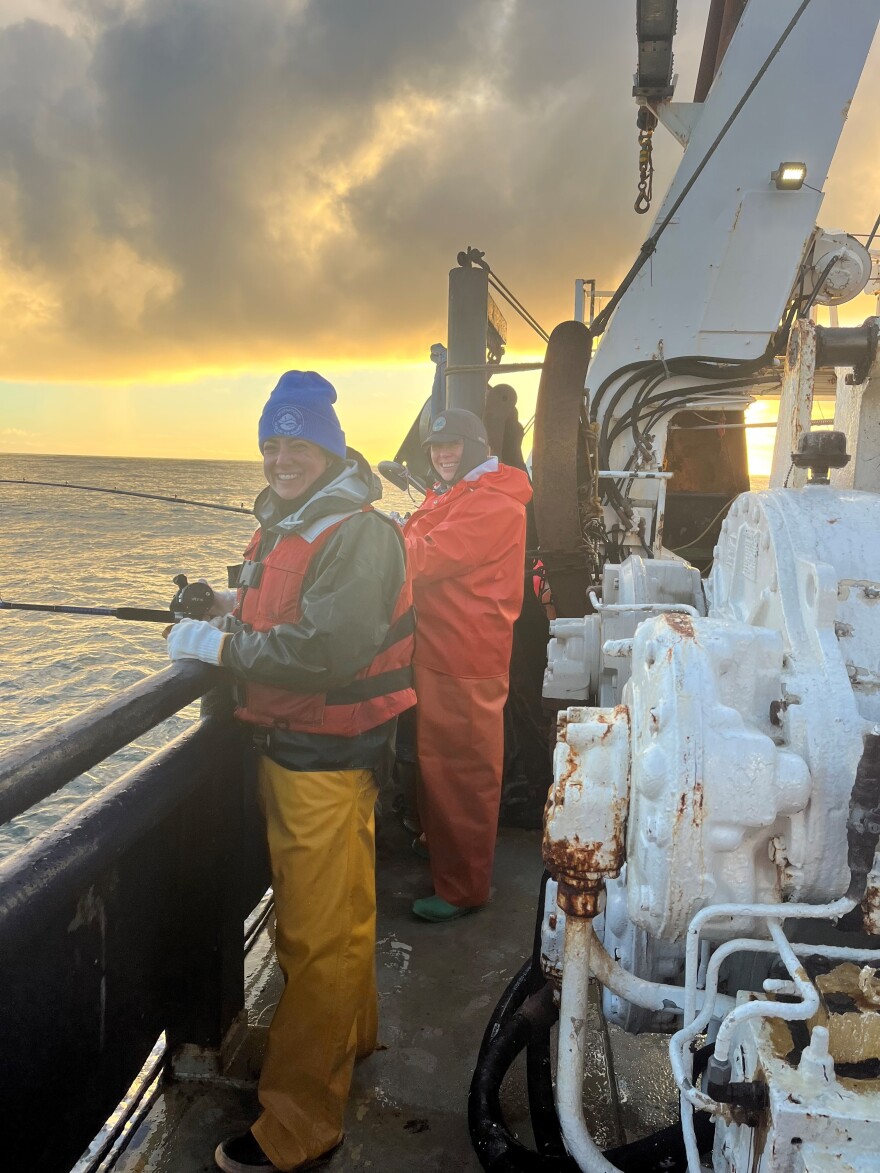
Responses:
[789,176]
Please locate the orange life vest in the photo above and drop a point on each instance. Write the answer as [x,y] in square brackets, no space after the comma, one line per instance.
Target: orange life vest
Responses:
[378,692]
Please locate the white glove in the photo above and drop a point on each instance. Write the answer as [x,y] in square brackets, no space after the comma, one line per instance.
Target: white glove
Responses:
[195,639]
[223,602]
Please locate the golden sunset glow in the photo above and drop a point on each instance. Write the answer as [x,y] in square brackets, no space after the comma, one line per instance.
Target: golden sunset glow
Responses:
[197,196]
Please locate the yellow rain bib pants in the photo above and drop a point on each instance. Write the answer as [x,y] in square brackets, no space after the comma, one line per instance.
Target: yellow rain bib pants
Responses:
[321,835]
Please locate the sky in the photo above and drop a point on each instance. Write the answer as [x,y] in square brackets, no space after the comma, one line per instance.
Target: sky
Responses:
[196,195]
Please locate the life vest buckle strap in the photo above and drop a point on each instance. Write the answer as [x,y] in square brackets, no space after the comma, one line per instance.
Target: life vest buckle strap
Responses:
[402,627]
[370,687]
[249,574]
[261,738]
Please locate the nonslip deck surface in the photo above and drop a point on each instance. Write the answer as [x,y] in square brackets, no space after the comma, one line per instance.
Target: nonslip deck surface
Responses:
[437,988]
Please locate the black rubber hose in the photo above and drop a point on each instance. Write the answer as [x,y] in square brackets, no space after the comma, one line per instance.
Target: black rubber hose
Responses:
[542,1107]
[511,1000]
[640,1155]
[539,1068]
[500,1152]
[529,979]
[536,972]
[497,1149]
[523,1018]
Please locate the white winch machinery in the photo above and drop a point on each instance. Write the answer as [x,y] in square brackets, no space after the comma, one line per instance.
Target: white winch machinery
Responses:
[717,769]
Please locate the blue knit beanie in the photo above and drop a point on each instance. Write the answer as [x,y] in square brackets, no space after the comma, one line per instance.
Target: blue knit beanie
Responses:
[302,406]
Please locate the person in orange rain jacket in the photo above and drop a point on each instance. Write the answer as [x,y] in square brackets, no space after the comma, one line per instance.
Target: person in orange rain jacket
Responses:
[466,556]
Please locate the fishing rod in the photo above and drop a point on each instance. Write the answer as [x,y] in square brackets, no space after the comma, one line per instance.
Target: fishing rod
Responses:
[126,493]
[192,601]
[138,614]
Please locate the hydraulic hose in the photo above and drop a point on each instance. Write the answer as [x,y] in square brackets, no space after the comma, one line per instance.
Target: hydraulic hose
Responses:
[542,1108]
[518,1027]
[497,1149]
[539,1065]
[511,1000]
[523,1019]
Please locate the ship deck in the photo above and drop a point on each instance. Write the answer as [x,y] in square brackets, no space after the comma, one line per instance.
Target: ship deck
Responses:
[438,985]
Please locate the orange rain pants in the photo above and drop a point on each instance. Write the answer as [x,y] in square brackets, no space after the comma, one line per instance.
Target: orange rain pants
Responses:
[321,834]
[460,732]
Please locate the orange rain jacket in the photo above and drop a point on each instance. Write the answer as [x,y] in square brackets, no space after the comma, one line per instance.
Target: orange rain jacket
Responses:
[466,557]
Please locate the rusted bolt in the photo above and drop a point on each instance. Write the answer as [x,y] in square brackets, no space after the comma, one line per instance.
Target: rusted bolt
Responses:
[578,901]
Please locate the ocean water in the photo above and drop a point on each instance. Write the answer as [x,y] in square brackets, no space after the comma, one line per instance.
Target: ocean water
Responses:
[99,550]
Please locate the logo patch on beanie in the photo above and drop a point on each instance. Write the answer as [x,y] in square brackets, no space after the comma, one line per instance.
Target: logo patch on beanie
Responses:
[288,421]
[439,422]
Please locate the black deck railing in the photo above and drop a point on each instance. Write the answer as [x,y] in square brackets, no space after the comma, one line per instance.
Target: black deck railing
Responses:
[125,919]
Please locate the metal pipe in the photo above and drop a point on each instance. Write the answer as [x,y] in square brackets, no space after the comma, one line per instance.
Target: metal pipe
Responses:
[767,1008]
[628,475]
[732,427]
[466,339]
[832,911]
[679,1043]
[639,991]
[617,649]
[492,368]
[572,1049]
[579,300]
[680,1056]
[659,608]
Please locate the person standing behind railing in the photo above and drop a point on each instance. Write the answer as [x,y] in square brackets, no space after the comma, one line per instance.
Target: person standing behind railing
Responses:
[319,641]
[466,555]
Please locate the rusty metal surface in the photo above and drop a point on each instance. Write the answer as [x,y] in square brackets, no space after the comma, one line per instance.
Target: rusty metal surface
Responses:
[850,1010]
[871,903]
[822,1117]
[586,812]
[709,787]
[555,465]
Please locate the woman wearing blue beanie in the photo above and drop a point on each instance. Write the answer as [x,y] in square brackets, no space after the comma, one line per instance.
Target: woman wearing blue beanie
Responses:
[301,406]
[318,637]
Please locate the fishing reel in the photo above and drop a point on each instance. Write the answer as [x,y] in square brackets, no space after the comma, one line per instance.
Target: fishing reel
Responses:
[193,599]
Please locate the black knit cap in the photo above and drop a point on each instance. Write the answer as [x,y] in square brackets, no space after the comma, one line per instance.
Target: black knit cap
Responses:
[455,423]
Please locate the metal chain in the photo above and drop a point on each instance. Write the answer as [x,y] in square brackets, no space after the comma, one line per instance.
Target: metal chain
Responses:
[646,123]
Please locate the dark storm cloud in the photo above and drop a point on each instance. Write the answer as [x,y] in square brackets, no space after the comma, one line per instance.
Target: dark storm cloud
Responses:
[196,181]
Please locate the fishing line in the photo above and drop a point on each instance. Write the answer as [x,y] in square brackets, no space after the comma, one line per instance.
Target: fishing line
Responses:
[127,493]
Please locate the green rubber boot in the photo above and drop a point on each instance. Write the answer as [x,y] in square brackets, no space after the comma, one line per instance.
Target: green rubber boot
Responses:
[437,910]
